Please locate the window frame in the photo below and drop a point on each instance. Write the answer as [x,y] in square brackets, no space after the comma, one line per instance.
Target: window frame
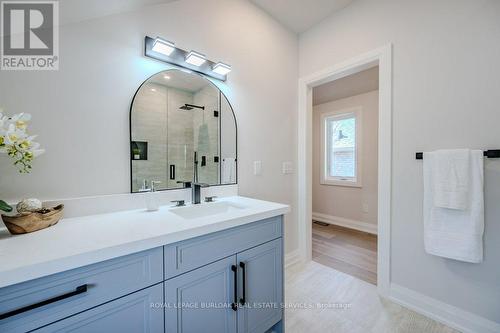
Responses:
[325,179]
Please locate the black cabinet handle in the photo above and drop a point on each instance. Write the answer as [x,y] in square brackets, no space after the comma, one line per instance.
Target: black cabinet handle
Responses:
[79,290]
[234,305]
[172,171]
[243,300]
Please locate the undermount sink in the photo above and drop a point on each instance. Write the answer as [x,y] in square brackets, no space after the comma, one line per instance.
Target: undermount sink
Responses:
[206,209]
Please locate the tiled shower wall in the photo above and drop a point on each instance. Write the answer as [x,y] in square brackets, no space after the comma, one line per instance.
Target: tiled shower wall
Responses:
[149,119]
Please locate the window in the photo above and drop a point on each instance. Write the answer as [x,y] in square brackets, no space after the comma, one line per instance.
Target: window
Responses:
[341,148]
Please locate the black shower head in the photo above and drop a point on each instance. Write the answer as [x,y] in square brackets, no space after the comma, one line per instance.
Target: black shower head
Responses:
[191,106]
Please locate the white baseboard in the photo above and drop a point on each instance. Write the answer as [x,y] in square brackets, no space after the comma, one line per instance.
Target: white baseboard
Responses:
[347,223]
[447,314]
[292,258]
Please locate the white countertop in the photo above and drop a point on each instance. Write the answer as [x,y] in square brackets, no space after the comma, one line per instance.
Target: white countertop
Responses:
[79,241]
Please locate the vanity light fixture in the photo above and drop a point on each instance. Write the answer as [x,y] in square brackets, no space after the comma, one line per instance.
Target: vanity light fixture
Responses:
[221,68]
[196,59]
[161,49]
[163,46]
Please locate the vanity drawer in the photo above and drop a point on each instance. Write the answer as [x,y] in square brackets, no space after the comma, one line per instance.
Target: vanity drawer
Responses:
[48,299]
[190,254]
[134,313]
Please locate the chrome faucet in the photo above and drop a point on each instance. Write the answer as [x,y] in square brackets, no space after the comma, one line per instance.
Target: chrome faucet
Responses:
[196,192]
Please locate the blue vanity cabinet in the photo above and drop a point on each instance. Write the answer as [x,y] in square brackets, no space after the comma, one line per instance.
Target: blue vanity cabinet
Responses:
[138,312]
[242,292]
[200,301]
[261,291]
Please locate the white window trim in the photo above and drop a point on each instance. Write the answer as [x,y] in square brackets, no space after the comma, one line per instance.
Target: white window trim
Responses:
[337,181]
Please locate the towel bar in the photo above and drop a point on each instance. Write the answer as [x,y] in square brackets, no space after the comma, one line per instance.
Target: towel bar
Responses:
[487,153]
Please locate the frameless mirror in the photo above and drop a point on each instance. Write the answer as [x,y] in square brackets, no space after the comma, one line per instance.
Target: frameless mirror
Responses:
[182,129]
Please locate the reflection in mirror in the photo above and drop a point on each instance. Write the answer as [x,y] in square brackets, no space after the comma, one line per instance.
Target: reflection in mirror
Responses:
[182,130]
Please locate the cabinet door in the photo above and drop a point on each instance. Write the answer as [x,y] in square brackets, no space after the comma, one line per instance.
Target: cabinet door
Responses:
[200,300]
[141,311]
[261,287]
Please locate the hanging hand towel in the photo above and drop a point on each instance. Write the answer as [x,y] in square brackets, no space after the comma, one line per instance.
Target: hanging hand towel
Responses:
[451,178]
[453,233]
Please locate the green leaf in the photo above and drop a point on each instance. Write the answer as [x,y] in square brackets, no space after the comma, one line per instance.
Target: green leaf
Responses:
[5,207]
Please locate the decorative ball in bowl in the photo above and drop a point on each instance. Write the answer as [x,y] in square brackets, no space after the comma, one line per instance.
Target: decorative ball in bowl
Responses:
[26,222]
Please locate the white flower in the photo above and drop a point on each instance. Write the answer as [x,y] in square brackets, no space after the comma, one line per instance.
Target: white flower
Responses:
[14,135]
[21,116]
[3,122]
[20,120]
[15,141]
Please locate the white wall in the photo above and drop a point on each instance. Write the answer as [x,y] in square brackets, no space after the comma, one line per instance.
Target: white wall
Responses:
[342,201]
[445,95]
[81,112]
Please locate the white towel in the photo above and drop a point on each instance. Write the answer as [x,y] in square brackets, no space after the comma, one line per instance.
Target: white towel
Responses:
[228,170]
[451,178]
[452,233]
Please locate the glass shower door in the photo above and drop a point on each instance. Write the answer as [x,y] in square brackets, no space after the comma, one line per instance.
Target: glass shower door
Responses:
[180,136]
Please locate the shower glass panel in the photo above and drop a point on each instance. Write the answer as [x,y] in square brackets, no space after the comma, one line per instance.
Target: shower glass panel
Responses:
[206,134]
[180,134]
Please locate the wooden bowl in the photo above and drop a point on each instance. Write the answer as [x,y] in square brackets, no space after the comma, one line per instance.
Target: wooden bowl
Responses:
[29,222]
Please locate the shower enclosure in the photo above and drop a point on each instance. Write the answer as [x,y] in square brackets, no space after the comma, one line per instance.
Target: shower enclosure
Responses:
[175,117]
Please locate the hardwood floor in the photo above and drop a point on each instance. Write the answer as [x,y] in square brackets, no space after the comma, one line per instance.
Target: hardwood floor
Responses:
[350,251]
[321,299]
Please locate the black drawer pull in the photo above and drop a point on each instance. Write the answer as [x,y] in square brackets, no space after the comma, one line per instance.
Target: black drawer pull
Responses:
[172,171]
[79,290]
[243,300]
[234,305]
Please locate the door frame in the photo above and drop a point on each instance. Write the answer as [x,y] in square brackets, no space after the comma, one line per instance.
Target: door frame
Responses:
[383,58]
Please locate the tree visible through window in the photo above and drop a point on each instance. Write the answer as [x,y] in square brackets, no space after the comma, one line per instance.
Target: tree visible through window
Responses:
[340,143]
[342,147]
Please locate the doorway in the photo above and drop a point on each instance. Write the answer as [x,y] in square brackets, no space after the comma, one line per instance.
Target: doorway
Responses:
[344,183]
[382,58]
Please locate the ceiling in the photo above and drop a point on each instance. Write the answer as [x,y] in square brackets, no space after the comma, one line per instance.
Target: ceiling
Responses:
[296,15]
[72,11]
[300,15]
[348,86]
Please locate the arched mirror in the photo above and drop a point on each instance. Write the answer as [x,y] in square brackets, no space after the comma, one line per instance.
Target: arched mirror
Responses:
[182,129]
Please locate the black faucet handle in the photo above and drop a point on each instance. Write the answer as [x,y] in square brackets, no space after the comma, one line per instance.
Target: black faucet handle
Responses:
[201,184]
[179,203]
[185,184]
[210,199]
